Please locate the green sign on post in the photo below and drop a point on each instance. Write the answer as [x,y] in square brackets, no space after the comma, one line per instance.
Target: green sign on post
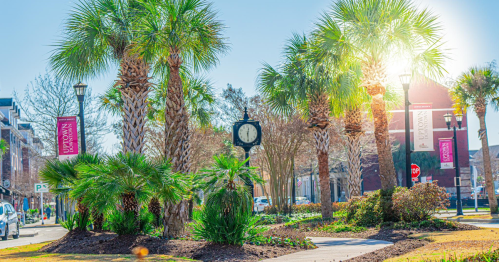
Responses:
[41,188]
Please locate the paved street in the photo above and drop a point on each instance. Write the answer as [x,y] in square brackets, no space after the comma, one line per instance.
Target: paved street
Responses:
[489,225]
[48,232]
[452,213]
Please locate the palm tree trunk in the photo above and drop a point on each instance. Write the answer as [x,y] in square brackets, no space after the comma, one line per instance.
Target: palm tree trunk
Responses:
[375,74]
[489,182]
[175,217]
[354,169]
[387,172]
[134,88]
[178,148]
[130,203]
[154,208]
[98,219]
[82,210]
[353,130]
[322,145]
[177,120]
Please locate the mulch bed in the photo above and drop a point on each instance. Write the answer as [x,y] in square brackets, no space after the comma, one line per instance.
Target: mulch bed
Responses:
[401,238]
[77,242]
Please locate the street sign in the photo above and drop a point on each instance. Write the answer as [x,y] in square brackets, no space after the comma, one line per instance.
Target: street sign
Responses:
[415,172]
[41,188]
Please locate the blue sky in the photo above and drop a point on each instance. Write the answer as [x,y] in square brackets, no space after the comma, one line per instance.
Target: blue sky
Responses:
[257,30]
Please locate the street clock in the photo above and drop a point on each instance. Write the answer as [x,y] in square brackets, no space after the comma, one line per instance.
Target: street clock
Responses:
[246,133]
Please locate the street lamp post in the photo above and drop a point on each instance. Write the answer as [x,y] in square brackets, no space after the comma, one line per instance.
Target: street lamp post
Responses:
[459,120]
[80,94]
[406,82]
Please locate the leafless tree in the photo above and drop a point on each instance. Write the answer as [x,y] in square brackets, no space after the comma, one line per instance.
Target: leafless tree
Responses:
[48,97]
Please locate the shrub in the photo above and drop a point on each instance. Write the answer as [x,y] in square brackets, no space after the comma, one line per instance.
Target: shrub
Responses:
[373,208]
[366,211]
[432,223]
[308,208]
[226,217]
[337,227]
[284,237]
[277,219]
[82,220]
[125,223]
[70,224]
[307,223]
[420,202]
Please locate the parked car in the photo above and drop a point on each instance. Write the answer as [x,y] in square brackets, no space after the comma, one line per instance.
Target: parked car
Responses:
[480,192]
[9,223]
[302,201]
[261,203]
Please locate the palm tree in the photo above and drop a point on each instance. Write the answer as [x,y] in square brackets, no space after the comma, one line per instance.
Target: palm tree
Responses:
[63,177]
[350,99]
[100,33]
[225,172]
[122,178]
[174,32]
[374,33]
[301,83]
[476,88]
[167,187]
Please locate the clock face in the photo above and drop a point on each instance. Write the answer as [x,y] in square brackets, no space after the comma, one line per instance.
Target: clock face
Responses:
[247,133]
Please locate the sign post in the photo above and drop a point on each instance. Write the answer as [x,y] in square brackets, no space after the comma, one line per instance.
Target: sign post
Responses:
[40,188]
[415,172]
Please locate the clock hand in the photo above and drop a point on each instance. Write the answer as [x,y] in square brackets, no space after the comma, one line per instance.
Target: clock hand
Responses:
[248,133]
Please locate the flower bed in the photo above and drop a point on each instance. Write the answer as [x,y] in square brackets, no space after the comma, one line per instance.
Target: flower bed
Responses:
[110,243]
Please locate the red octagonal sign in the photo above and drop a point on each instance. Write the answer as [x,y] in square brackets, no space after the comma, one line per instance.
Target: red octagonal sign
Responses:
[415,172]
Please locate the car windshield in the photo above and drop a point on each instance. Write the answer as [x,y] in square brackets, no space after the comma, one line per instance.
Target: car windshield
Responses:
[1,210]
[264,200]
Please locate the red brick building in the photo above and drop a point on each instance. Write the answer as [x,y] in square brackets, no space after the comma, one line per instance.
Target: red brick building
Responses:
[428,91]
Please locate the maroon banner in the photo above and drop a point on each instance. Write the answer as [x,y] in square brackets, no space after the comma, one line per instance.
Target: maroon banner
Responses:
[67,137]
[446,158]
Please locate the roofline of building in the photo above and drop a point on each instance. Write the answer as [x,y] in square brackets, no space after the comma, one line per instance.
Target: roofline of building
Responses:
[15,131]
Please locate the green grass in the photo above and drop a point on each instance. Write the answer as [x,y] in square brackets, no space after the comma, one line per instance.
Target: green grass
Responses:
[337,227]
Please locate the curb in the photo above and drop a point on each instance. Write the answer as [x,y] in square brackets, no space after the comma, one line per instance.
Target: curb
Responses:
[42,226]
[28,235]
[485,221]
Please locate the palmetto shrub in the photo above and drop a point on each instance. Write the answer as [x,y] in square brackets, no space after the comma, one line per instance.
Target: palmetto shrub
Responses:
[70,224]
[226,217]
[420,202]
[126,223]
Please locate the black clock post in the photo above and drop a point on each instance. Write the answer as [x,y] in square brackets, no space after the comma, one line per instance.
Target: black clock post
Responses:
[248,141]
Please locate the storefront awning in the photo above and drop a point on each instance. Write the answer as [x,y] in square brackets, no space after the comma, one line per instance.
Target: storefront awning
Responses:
[4,191]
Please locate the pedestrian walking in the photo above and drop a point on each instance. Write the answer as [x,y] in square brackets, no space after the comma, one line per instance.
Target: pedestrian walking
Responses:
[47,211]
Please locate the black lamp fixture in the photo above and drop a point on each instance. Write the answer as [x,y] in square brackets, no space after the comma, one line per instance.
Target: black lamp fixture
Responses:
[80,90]
[405,79]
[448,121]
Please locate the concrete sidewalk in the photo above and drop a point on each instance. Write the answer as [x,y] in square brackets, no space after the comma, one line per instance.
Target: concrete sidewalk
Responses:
[334,249]
[47,222]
